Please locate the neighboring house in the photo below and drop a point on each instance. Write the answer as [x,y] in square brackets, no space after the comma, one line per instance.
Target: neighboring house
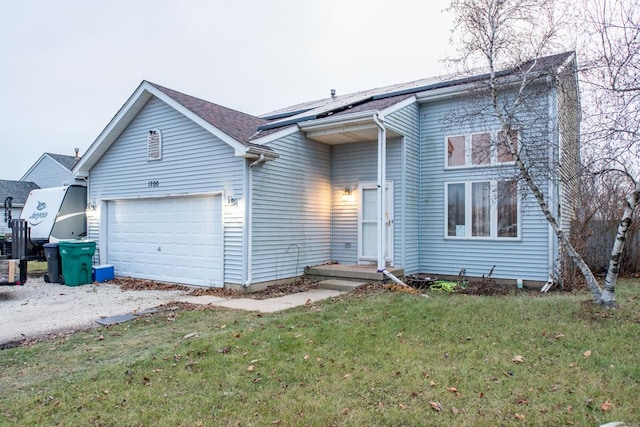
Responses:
[52,170]
[19,191]
[183,190]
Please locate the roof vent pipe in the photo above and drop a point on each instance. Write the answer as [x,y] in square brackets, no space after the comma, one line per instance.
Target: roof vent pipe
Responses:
[77,153]
[333,93]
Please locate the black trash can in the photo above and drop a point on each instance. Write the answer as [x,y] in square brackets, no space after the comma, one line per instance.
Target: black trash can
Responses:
[54,264]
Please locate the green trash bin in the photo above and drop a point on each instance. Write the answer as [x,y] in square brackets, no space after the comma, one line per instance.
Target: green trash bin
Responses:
[77,261]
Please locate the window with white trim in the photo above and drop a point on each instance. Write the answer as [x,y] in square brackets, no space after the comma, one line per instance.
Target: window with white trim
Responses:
[154,145]
[479,149]
[482,210]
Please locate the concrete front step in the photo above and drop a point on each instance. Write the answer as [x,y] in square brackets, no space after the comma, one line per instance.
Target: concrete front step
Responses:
[339,285]
[356,273]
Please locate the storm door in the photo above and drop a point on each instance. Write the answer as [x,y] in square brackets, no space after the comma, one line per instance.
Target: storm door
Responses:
[368,223]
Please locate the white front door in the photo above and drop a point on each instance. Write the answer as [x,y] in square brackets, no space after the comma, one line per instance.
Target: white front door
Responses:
[368,222]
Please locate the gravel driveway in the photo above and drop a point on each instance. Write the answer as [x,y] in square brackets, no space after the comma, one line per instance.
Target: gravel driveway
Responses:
[38,309]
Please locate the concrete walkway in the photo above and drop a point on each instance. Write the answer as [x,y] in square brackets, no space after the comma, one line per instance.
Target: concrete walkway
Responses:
[39,309]
[268,305]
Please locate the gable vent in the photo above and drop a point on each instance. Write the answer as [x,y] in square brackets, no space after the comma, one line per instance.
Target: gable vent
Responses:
[154,145]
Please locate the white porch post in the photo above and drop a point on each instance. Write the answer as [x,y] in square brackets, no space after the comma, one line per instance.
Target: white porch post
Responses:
[382,179]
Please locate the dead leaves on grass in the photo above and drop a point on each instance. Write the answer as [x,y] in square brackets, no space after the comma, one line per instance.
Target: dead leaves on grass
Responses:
[606,406]
[436,406]
[400,288]
[453,390]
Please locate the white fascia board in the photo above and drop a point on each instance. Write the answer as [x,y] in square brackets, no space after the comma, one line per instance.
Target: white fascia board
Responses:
[256,152]
[284,132]
[33,166]
[109,134]
[123,117]
[400,105]
[451,91]
[447,92]
[352,119]
[360,120]
[63,167]
[340,129]
[236,145]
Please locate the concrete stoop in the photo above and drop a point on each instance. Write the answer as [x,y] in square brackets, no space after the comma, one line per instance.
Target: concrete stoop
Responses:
[350,273]
[339,285]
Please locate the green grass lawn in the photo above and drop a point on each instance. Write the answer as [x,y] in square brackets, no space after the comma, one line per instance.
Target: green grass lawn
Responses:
[37,267]
[358,360]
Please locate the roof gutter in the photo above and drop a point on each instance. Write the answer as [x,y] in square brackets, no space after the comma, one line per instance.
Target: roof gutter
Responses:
[256,152]
[360,117]
[462,88]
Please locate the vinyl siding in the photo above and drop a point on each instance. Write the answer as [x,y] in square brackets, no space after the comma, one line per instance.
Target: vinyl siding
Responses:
[407,219]
[193,161]
[527,258]
[352,164]
[291,209]
[49,173]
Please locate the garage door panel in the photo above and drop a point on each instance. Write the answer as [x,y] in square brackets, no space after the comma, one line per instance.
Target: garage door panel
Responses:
[172,239]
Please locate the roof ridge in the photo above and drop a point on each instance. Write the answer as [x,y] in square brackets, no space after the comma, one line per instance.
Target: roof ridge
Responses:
[237,124]
[314,109]
[166,89]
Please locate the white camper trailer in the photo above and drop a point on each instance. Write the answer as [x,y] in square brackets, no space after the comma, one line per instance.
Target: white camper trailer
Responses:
[55,214]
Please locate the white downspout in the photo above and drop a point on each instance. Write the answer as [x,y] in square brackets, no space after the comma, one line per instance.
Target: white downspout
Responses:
[248,214]
[395,279]
[382,172]
[382,181]
[554,201]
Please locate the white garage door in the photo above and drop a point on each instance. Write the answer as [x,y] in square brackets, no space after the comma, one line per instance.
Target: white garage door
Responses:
[175,239]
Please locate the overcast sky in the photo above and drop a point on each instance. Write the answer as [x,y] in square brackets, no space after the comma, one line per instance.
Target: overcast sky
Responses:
[68,66]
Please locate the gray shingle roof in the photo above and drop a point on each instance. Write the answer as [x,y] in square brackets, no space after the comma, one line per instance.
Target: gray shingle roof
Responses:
[67,161]
[371,99]
[19,190]
[245,128]
[240,126]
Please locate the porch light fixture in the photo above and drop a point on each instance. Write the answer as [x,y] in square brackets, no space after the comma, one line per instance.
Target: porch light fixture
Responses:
[90,210]
[232,201]
[346,196]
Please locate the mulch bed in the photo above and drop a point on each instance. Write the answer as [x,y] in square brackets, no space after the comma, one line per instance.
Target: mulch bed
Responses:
[478,288]
[131,284]
[485,288]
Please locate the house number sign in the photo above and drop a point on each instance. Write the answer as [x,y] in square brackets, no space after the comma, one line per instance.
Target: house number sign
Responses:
[153,184]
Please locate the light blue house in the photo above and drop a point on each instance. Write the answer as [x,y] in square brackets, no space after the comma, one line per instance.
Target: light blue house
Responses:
[183,190]
[52,170]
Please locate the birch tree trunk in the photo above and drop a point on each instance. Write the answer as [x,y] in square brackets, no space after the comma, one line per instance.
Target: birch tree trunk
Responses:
[592,282]
[608,298]
[501,32]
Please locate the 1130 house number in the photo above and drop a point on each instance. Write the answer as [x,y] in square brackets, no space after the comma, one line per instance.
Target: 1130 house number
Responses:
[153,184]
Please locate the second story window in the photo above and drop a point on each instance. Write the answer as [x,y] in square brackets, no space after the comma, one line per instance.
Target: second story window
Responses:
[479,149]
